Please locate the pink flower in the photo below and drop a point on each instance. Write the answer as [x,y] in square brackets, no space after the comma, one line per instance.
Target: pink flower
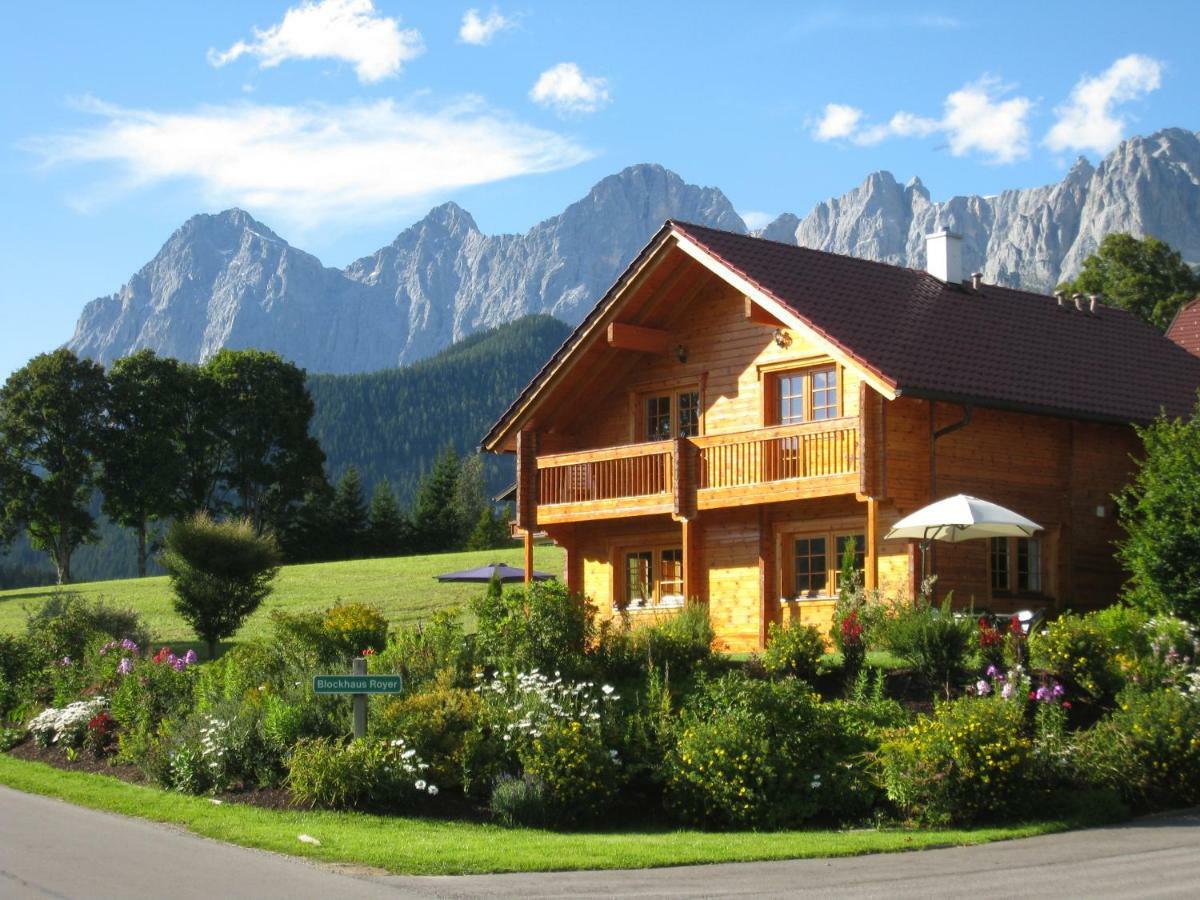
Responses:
[983,687]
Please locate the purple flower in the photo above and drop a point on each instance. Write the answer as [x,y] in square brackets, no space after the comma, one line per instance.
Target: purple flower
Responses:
[992,672]
[127,644]
[172,659]
[1057,690]
[190,657]
[1043,694]
[1007,691]
[125,666]
[983,687]
[176,663]
[65,661]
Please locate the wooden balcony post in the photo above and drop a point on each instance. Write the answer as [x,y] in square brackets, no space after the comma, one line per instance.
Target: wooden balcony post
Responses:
[871,576]
[693,563]
[527,493]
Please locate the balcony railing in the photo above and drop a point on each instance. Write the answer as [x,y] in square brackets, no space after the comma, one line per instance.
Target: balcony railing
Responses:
[809,450]
[761,465]
[635,471]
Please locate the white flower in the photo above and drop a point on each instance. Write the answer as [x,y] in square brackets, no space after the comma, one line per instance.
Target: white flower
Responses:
[308,839]
[408,754]
[608,688]
[214,801]
[432,790]
[420,785]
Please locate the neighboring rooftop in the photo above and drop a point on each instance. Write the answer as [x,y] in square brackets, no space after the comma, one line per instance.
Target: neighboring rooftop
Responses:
[1185,327]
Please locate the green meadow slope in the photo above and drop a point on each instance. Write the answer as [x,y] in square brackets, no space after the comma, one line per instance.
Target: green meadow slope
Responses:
[403,587]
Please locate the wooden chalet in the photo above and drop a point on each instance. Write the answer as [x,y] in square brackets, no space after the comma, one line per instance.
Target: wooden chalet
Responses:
[734,411]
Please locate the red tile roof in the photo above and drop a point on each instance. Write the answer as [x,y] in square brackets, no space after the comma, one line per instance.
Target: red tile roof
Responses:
[995,346]
[1185,328]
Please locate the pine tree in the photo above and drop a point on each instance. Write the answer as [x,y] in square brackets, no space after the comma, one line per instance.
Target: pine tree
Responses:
[436,528]
[349,515]
[470,497]
[388,529]
[490,531]
[309,535]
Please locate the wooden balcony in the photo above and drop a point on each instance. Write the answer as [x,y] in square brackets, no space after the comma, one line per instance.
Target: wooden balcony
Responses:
[788,462]
[617,481]
[763,465]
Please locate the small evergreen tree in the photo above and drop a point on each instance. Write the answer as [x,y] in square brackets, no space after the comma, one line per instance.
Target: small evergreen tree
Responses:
[436,528]
[387,528]
[309,535]
[1158,512]
[220,572]
[490,531]
[349,515]
[470,497]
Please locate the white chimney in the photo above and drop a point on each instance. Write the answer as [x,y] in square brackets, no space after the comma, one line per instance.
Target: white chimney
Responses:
[943,256]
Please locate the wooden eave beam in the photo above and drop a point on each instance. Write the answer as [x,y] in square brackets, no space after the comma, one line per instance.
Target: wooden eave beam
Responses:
[757,315]
[623,336]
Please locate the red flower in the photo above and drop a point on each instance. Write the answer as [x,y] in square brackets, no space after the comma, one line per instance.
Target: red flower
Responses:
[1014,627]
[368,652]
[1033,695]
[1066,704]
[162,654]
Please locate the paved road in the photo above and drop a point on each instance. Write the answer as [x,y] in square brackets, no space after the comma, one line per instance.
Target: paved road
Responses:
[52,849]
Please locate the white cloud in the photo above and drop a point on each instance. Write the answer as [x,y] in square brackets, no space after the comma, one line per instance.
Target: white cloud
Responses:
[478,30]
[1086,121]
[566,89]
[348,30]
[310,164]
[838,121]
[755,219]
[975,120]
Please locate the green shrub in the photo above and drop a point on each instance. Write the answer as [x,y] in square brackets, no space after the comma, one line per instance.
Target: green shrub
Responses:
[539,627]
[419,653]
[971,760]
[352,628]
[752,754]
[436,722]
[301,637]
[932,640]
[678,643]
[1147,749]
[519,801]
[220,750]
[580,774]
[220,573]
[794,650]
[1081,654]
[150,695]
[330,774]
[66,624]
[1157,510]
[283,723]
[16,667]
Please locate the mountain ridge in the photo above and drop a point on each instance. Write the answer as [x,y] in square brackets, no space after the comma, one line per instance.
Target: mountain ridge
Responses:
[228,280]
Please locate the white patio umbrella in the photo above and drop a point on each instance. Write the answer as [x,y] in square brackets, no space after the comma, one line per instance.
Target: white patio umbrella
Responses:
[961,518]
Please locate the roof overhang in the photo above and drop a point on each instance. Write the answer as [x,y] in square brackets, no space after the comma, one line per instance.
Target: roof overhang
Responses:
[593,327]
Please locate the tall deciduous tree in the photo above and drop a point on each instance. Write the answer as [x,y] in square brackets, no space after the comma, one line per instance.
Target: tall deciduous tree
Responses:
[470,497]
[1158,511]
[436,526]
[270,458]
[200,442]
[1144,276]
[143,462]
[51,424]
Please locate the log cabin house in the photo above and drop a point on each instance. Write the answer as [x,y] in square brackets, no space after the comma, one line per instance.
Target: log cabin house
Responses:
[734,411]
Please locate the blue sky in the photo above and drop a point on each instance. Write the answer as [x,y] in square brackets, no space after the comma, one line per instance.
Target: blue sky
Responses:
[340,122]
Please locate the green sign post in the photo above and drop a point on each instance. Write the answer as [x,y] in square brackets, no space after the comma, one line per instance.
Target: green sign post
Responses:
[358,683]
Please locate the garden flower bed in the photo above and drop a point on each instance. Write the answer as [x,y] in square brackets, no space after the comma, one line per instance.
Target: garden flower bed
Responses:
[542,720]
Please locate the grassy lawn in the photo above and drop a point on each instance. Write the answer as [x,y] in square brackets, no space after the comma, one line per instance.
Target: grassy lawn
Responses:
[430,847]
[403,587]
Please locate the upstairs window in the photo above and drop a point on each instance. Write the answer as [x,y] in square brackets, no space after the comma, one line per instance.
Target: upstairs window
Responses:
[804,395]
[671,415]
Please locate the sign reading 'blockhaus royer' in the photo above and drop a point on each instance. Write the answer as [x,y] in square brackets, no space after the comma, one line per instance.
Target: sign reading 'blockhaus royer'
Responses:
[356,684]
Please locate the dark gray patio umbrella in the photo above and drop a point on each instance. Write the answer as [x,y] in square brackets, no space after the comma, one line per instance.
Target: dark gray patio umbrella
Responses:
[484,574]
